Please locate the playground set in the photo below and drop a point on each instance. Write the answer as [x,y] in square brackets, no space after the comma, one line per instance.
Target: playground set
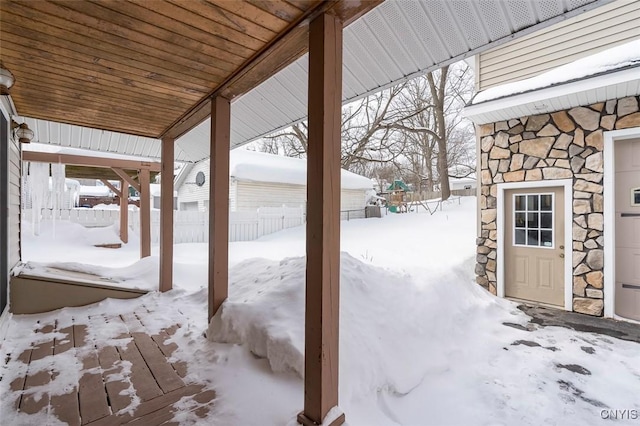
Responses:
[401,199]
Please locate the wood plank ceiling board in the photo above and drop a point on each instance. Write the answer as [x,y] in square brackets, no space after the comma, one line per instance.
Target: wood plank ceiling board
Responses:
[137,67]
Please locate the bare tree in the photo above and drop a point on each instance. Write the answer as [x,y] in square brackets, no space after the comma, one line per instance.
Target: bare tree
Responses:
[438,98]
[412,131]
[290,142]
[366,136]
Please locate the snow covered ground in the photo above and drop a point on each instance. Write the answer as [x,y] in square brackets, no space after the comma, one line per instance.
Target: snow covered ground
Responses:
[421,344]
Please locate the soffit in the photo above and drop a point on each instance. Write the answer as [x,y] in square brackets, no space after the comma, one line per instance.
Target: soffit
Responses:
[396,41]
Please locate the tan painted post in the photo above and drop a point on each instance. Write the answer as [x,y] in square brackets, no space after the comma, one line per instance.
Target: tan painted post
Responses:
[124,234]
[166,215]
[124,211]
[323,221]
[219,203]
[145,214]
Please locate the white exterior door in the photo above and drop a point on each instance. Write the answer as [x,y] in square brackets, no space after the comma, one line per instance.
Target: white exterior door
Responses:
[627,225]
[534,245]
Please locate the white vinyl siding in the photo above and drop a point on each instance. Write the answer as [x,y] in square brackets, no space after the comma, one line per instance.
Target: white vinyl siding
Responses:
[250,195]
[352,199]
[14,203]
[191,206]
[233,193]
[253,195]
[189,192]
[589,33]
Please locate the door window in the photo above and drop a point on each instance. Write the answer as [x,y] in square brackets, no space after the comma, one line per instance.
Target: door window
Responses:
[533,220]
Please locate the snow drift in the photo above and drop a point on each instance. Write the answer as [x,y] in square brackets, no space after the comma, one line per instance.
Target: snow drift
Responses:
[410,322]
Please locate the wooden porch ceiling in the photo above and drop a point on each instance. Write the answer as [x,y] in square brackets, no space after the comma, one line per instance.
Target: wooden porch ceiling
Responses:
[147,67]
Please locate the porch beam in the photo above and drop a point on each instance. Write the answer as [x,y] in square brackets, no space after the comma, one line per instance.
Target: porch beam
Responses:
[219,203]
[323,222]
[111,187]
[82,160]
[124,176]
[166,215]
[145,214]
[124,212]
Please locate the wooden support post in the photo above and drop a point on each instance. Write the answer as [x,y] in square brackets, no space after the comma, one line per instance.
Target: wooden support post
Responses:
[124,211]
[219,203]
[166,215]
[145,214]
[323,222]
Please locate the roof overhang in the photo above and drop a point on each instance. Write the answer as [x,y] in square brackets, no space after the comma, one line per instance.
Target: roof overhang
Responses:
[149,68]
[391,43]
[597,88]
[82,165]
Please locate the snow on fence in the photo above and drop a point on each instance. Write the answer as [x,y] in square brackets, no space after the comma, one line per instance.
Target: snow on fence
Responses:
[189,226]
[86,217]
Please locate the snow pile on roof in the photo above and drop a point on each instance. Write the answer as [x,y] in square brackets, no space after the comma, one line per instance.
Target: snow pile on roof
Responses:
[622,56]
[56,149]
[462,180]
[262,167]
[95,191]
[71,183]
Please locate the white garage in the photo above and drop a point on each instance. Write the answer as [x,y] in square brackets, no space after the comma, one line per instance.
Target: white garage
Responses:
[264,180]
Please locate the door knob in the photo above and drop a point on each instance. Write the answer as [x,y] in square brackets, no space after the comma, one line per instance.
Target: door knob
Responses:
[562,255]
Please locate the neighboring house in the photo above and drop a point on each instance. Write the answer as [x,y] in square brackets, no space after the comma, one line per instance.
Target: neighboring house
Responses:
[462,183]
[263,180]
[154,189]
[92,195]
[559,163]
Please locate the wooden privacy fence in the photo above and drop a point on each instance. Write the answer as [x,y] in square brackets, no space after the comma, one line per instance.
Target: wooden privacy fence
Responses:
[86,217]
[189,226]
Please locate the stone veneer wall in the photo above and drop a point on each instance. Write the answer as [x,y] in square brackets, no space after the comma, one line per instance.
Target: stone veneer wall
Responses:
[560,145]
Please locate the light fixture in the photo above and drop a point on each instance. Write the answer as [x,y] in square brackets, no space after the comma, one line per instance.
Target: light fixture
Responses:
[6,80]
[23,132]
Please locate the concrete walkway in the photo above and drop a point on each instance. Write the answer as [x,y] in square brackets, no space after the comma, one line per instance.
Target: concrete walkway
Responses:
[548,317]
